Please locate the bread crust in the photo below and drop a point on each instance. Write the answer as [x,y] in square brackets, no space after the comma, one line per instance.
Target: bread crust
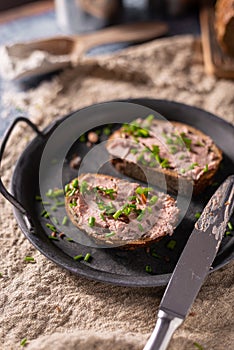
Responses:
[175,181]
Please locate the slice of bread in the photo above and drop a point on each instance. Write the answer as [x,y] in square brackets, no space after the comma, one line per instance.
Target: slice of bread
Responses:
[116,212]
[171,155]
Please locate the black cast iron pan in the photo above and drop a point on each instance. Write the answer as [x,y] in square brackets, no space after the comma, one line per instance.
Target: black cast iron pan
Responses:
[114,265]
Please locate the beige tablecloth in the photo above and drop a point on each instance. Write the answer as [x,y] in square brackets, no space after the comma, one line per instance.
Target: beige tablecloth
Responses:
[56,310]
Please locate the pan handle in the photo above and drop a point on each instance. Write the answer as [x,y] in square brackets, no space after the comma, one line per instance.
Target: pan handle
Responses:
[3,189]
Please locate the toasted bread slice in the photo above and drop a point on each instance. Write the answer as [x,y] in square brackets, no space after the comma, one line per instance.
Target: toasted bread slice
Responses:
[160,152]
[116,212]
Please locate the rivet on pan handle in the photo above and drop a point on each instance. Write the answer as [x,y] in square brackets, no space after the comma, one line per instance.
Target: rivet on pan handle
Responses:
[3,189]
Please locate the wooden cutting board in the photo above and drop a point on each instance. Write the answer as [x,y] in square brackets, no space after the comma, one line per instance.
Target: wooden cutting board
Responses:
[217,62]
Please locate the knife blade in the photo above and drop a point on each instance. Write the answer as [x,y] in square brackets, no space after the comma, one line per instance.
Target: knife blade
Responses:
[193,265]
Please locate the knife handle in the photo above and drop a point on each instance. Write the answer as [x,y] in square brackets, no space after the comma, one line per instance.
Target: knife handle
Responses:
[163,331]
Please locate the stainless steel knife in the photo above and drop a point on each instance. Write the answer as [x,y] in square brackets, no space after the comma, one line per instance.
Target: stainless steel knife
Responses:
[193,265]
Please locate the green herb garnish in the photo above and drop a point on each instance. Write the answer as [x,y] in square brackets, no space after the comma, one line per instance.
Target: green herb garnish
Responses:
[110,234]
[134,151]
[197,215]
[83,187]
[55,220]
[65,220]
[143,190]
[51,227]
[87,257]
[171,244]
[82,138]
[107,131]
[192,166]
[78,257]
[38,198]
[75,183]
[135,130]
[153,200]
[230,226]
[29,259]
[141,228]
[23,342]
[198,346]
[148,269]
[53,238]
[140,216]
[91,221]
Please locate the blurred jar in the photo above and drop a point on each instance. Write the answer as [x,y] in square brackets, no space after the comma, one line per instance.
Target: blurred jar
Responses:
[75,16]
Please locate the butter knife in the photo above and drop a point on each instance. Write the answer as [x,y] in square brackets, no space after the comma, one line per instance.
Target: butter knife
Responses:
[193,265]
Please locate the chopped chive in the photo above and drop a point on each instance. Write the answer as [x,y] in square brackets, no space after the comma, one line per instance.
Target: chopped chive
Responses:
[43,213]
[55,220]
[23,342]
[171,244]
[46,203]
[72,204]
[206,168]
[182,170]
[155,255]
[65,219]
[87,257]
[148,269]
[38,198]
[230,226]
[72,192]
[1,275]
[143,190]
[67,188]
[54,208]
[75,183]
[91,221]
[78,257]
[82,138]
[198,346]
[150,118]
[149,210]
[132,198]
[70,239]
[102,217]
[197,215]
[192,166]
[227,233]
[141,228]
[199,143]
[110,234]
[29,259]
[140,216]
[153,200]
[107,131]
[134,151]
[117,214]
[49,193]
[59,204]
[53,238]
[165,163]
[51,227]
[58,193]
[83,187]
[181,157]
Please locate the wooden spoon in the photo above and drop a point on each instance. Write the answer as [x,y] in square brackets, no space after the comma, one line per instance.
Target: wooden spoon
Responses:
[23,60]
